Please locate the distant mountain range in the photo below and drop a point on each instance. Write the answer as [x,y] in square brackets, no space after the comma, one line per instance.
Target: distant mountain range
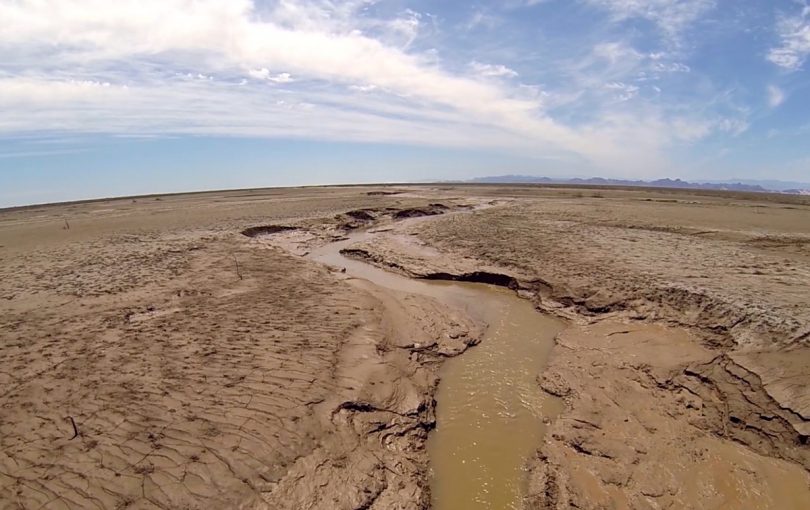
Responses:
[797,188]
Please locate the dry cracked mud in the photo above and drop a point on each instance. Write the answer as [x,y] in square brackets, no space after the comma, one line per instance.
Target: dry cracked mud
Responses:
[153,356]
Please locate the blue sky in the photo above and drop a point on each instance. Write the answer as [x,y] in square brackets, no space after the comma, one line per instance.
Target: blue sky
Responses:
[101,98]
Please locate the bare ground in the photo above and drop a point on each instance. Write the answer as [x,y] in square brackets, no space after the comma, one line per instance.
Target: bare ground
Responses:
[203,368]
[700,413]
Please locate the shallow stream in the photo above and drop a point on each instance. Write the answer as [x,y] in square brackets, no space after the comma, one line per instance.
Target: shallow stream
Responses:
[490,410]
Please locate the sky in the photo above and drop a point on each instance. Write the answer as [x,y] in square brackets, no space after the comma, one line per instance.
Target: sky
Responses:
[102,98]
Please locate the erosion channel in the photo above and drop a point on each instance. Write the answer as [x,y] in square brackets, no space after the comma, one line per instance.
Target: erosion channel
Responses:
[491,414]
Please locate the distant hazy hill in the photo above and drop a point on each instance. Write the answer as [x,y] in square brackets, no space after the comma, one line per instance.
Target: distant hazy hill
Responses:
[761,186]
[770,184]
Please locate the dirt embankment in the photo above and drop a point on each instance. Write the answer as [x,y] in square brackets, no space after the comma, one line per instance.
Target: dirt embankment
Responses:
[201,369]
[717,408]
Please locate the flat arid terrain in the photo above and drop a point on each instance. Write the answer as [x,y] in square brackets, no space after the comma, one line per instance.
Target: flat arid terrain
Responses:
[407,347]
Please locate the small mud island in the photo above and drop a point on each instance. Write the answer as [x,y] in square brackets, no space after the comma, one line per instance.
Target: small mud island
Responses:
[321,347]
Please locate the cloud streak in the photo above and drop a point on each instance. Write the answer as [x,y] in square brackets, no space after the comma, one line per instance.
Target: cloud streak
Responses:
[357,70]
[794,35]
[775,96]
[671,16]
[232,38]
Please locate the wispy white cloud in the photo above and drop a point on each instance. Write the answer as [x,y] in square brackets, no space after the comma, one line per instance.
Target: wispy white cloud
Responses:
[362,88]
[492,70]
[794,35]
[618,62]
[482,18]
[39,153]
[265,74]
[229,36]
[775,96]
[339,71]
[623,91]
[23,92]
[671,16]
[674,67]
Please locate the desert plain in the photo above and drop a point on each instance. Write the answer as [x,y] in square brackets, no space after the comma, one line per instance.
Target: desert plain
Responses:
[190,351]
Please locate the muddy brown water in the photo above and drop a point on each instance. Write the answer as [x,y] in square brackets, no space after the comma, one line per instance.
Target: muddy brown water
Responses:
[490,411]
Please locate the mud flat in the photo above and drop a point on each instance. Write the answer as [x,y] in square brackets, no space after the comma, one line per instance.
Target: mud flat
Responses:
[202,369]
[206,366]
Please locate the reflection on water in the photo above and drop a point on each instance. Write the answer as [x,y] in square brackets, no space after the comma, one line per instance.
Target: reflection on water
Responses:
[490,409]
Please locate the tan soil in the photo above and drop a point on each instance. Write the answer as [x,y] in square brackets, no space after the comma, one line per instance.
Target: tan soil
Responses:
[684,369]
[701,413]
[193,387]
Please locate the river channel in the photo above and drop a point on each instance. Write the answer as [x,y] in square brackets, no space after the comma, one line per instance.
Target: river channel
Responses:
[491,414]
